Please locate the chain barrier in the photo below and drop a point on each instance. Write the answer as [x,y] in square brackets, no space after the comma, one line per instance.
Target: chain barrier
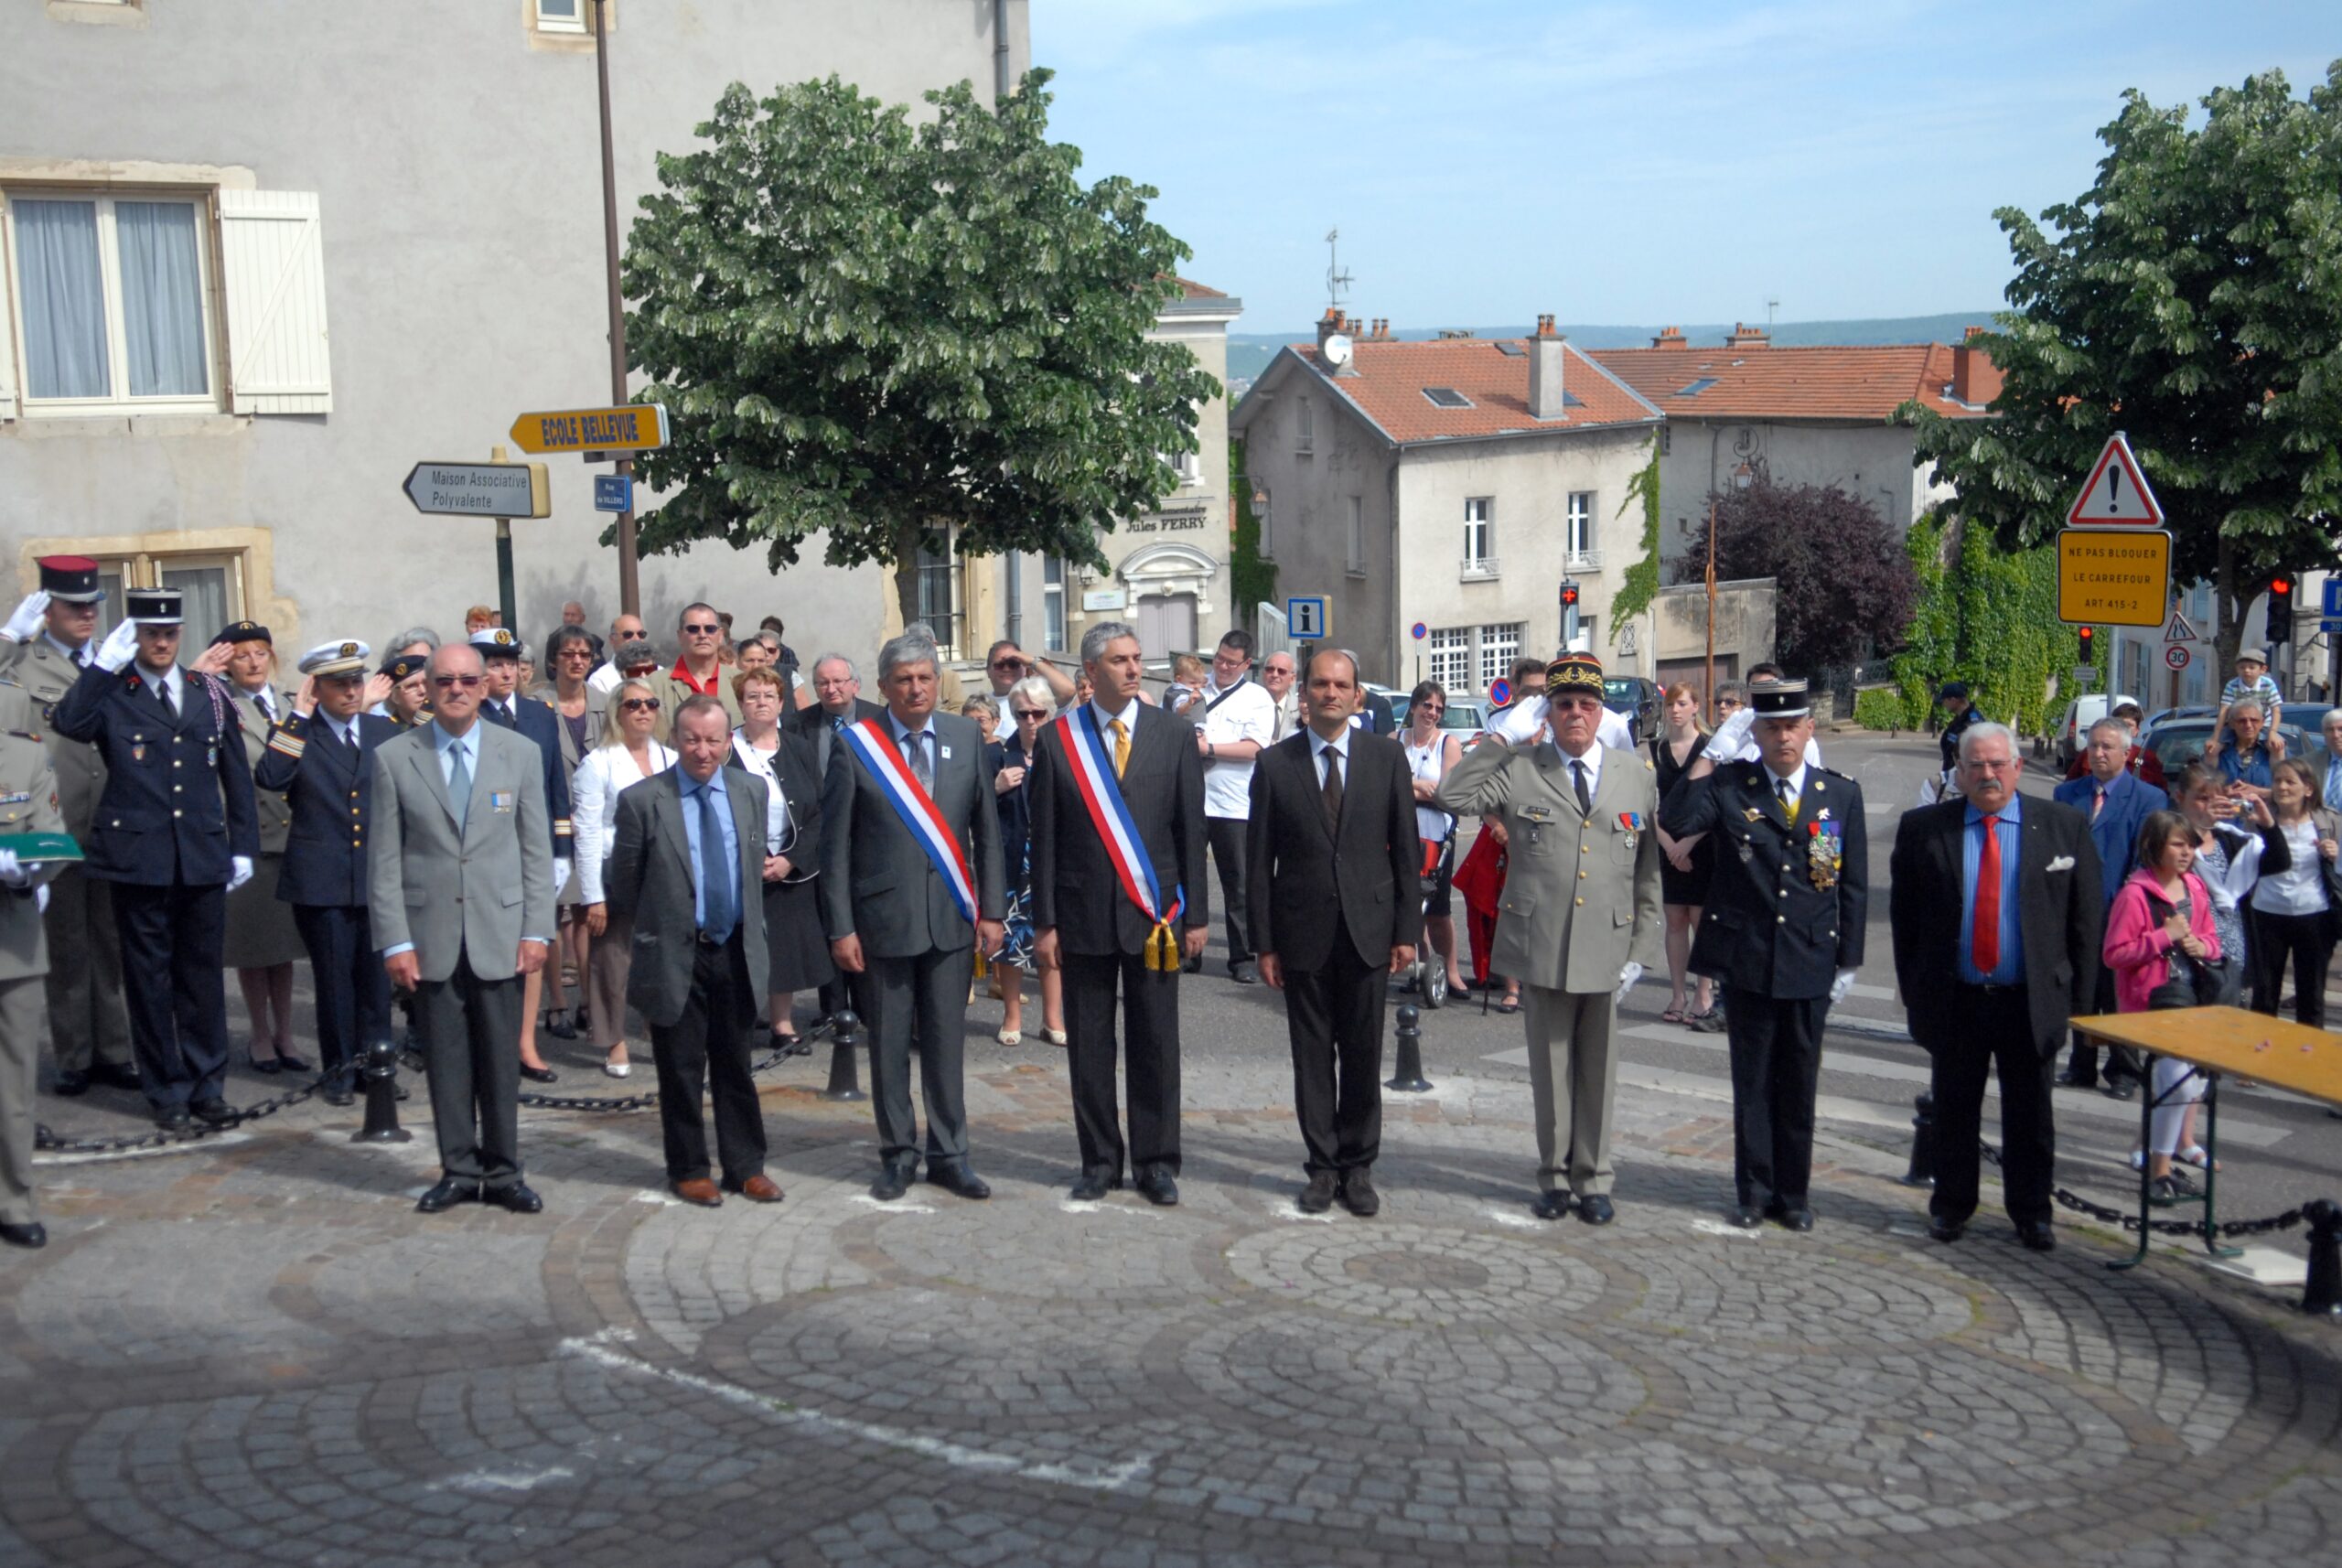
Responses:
[2105,1215]
[623,1103]
[45,1140]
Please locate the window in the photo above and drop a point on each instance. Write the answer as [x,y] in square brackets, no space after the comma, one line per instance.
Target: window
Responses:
[938,596]
[1451,659]
[1581,537]
[563,15]
[213,583]
[1355,539]
[111,302]
[1304,440]
[1480,533]
[1053,605]
[1187,467]
[1446,397]
[1499,646]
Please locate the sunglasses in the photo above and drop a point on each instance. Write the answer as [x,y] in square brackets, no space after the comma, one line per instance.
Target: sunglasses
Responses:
[703,630]
[466,682]
[629,635]
[1024,713]
[1008,664]
[640,705]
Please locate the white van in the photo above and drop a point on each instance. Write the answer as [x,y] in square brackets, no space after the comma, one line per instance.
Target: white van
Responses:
[2073,730]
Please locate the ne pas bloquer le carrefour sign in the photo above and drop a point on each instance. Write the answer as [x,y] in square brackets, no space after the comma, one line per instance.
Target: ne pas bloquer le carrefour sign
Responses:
[631,427]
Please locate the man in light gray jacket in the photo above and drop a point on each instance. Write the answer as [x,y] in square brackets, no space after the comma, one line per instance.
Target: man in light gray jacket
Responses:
[461,867]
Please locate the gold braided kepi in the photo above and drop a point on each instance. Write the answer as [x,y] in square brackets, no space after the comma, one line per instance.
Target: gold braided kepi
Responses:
[1573,673]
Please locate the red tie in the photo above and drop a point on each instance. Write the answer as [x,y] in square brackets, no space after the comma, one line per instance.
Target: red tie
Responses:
[1984,937]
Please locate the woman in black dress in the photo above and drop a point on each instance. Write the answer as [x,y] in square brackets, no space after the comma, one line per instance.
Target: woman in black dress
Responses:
[794,942]
[1685,865]
[1008,762]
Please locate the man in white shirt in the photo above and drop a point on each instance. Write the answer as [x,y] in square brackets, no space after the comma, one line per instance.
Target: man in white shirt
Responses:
[1280,677]
[627,632]
[1234,719]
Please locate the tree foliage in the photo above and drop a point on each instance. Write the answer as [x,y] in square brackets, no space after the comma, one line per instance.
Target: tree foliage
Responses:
[880,331]
[1641,586]
[1251,580]
[2192,298]
[1842,582]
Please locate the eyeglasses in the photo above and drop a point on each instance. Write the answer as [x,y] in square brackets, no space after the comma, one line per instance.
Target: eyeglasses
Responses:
[1008,664]
[1024,713]
[629,635]
[578,653]
[703,630]
[466,682]
[640,705]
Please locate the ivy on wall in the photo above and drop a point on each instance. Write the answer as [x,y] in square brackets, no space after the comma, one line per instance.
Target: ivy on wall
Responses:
[1251,580]
[1643,577]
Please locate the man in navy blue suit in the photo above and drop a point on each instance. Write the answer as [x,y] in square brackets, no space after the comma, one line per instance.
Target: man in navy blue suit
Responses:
[500,653]
[320,755]
[2116,802]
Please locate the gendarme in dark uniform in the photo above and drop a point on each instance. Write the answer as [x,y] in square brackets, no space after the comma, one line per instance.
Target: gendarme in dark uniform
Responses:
[175,831]
[1783,928]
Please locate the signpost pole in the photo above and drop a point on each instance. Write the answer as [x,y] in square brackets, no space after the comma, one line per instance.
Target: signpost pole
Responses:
[505,596]
[1709,695]
[630,583]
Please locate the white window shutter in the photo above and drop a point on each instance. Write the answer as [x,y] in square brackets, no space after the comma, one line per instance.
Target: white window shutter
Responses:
[7,348]
[273,269]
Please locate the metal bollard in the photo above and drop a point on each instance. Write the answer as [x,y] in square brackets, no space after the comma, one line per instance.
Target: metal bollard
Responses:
[1923,1143]
[381,1075]
[1408,1077]
[2322,1294]
[845,1083]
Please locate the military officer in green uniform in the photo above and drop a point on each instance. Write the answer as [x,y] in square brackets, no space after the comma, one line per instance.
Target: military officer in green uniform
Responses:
[45,647]
[1782,927]
[28,805]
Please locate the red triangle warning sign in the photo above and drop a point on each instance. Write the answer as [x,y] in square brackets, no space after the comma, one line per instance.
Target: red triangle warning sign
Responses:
[2116,495]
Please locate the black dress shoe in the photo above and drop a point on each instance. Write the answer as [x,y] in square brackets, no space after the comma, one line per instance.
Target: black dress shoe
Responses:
[1158,1188]
[292,1063]
[269,1065]
[1796,1217]
[1244,974]
[1318,1196]
[1359,1195]
[558,1026]
[32,1235]
[518,1198]
[70,1082]
[1554,1205]
[171,1118]
[113,1075]
[893,1182]
[451,1191]
[1946,1231]
[1091,1185]
[1747,1217]
[2070,1079]
[960,1181]
[214,1112]
[2120,1087]
[1595,1209]
[337,1093]
[2039,1235]
[539,1074]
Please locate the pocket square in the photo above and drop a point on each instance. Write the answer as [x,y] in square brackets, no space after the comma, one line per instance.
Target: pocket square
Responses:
[2063,863]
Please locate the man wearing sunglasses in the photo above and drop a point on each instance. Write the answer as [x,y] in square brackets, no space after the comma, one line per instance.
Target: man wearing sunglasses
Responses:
[1006,664]
[461,900]
[627,636]
[698,669]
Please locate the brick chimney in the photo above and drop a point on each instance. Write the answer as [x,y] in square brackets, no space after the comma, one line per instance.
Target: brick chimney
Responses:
[1670,337]
[1546,351]
[1747,336]
[1327,324]
[1975,379]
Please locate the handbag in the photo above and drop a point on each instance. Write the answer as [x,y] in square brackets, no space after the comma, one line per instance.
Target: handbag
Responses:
[2192,982]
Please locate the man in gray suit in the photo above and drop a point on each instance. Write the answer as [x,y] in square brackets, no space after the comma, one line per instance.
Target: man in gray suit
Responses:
[461,900]
[1581,918]
[907,906]
[689,869]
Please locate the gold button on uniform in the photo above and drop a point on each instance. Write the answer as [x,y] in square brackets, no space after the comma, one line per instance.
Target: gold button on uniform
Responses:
[1581,901]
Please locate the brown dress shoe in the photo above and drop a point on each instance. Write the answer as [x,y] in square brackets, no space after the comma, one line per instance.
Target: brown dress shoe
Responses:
[759,1188]
[701,1191]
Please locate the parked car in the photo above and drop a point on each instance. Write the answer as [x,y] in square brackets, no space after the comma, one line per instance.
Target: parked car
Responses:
[2073,730]
[1465,716]
[1636,699]
[2179,741]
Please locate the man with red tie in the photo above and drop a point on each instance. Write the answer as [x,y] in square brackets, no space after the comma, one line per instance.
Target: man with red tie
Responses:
[1997,917]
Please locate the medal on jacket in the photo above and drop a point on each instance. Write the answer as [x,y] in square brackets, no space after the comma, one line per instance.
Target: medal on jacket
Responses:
[1824,853]
[138,752]
[1633,822]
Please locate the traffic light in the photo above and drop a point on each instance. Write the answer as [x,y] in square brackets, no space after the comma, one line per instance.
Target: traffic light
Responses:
[2280,607]
[2089,636]
[1569,612]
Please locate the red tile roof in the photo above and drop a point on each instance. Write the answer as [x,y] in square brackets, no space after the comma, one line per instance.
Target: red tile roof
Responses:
[1389,389]
[1850,384]
[1197,291]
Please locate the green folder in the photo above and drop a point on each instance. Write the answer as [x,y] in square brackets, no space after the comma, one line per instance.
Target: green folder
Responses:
[32,848]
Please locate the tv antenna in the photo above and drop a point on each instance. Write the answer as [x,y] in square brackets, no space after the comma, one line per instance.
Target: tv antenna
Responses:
[1772,308]
[1337,280]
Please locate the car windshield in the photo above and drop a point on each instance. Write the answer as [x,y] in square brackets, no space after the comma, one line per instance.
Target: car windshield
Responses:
[1463,716]
[2180,742]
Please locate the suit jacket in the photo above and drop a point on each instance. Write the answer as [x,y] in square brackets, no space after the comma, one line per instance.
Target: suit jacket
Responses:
[472,894]
[46,675]
[595,713]
[653,876]
[1581,895]
[275,812]
[177,803]
[2061,915]
[877,882]
[2115,830]
[28,805]
[814,726]
[330,787]
[1767,928]
[1301,872]
[542,725]
[1075,885]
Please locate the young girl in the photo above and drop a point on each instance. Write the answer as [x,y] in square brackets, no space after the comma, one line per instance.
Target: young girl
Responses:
[2162,920]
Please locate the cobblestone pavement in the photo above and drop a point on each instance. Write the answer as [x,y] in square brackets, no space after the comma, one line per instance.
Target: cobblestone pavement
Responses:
[256,1352]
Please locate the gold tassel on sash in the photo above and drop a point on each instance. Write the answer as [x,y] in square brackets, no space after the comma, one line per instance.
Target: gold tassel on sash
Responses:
[983,967]
[1163,950]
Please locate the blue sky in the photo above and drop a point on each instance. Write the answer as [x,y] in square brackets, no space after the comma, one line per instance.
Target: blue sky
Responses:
[1620,162]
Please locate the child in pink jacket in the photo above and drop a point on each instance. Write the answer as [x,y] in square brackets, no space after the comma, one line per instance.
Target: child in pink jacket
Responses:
[2162,918]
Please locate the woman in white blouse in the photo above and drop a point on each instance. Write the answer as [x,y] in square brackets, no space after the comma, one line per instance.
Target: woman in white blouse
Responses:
[796,946]
[627,755]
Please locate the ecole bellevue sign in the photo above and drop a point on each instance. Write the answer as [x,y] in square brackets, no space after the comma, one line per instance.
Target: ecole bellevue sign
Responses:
[630,427]
[2113,556]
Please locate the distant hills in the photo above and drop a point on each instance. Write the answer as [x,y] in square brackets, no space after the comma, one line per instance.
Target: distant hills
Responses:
[1248,353]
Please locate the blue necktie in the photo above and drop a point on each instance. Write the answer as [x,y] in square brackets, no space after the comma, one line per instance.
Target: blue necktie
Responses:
[714,873]
[2334,784]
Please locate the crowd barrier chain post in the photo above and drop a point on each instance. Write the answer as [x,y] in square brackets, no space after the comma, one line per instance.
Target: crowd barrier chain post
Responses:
[1923,1143]
[381,1075]
[1408,1077]
[2323,1293]
[845,1081]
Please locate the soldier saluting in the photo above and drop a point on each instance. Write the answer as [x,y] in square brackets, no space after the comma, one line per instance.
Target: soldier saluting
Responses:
[1783,928]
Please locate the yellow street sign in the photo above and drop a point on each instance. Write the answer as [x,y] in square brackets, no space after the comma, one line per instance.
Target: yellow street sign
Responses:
[634,427]
[2108,578]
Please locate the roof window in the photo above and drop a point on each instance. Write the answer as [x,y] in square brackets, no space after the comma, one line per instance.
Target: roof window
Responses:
[1512,350]
[1696,388]
[1446,397]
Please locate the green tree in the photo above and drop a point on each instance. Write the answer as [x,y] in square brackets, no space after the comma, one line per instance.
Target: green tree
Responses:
[893,334]
[2192,298]
[1641,586]
[1253,580]
[1843,583]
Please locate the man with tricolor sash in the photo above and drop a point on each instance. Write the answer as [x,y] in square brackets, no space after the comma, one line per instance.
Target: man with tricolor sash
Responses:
[910,889]
[1119,905]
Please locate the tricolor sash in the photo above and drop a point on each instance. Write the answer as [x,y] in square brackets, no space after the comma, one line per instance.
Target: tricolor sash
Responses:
[1101,792]
[877,749]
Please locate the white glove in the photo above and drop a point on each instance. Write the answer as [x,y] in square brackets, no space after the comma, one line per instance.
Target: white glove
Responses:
[40,897]
[1520,723]
[28,618]
[1730,737]
[242,874]
[1840,986]
[12,874]
[1629,978]
[560,872]
[119,648]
